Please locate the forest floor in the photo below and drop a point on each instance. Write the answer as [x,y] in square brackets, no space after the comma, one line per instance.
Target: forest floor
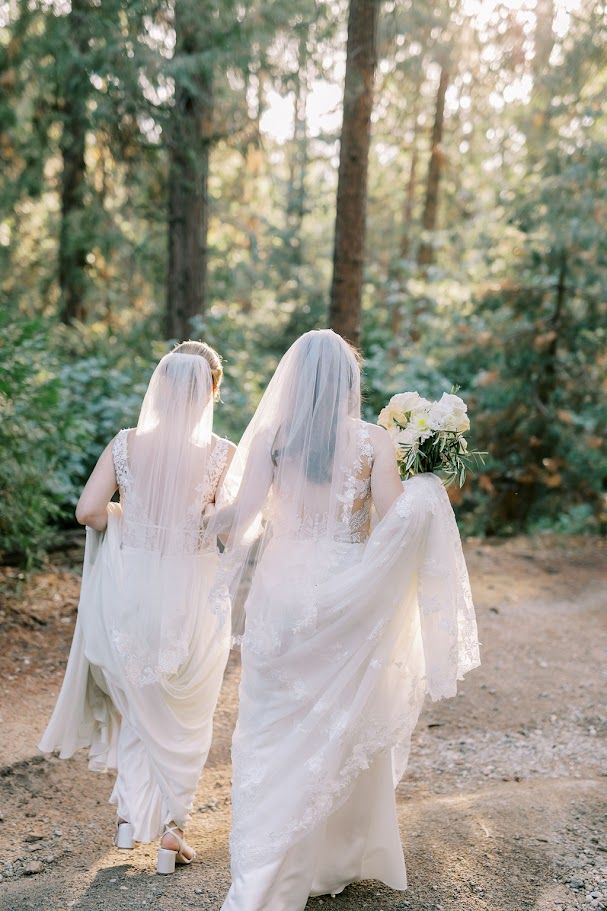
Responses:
[503,807]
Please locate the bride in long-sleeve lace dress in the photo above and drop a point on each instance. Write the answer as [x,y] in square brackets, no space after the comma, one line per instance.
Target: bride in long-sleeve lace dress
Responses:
[152,636]
[346,629]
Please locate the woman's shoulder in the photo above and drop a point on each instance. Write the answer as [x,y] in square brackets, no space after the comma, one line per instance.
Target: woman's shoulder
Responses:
[223,443]
[368,427]
[374,432]
[378,437]
[118,445]
[222,452]
[123,434]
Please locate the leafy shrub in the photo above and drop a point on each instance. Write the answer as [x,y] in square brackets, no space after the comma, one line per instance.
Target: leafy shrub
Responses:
[62,398]
[36,431]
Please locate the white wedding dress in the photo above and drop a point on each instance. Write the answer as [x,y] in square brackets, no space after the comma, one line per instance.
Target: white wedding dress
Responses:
[347,630]
[149,652]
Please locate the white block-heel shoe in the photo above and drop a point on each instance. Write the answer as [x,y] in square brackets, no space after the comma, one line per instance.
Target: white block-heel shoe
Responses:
[167,859]
[124,836]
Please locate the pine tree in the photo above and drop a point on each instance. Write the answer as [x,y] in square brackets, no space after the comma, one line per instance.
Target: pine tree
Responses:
[350,218]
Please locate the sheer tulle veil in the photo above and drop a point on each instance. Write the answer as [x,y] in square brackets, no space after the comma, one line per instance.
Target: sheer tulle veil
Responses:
[155,543]
[294,456]
[168,453]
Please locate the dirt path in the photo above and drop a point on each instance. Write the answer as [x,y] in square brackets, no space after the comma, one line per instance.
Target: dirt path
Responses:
[503,808]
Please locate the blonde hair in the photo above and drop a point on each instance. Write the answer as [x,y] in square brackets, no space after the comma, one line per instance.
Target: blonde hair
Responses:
[210,355]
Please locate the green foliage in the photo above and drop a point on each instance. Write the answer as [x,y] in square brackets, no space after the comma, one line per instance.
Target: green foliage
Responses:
[37,433]
[65,393]
[63,396]
[512,309]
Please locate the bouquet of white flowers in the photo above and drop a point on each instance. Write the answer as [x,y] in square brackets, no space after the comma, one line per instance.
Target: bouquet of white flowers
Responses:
[429,436]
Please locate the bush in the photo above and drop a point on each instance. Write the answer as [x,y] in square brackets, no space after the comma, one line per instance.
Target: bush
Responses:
[36,430]
[62,398]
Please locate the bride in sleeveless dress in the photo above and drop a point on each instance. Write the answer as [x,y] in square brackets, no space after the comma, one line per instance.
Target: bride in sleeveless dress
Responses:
[152,636]
[346,628]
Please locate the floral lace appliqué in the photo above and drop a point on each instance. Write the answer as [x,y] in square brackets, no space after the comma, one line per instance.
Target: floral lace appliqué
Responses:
[354,520]
[137,531]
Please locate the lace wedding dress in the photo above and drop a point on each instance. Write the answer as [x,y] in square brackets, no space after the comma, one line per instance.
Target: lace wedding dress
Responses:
[347,630]
[151,640]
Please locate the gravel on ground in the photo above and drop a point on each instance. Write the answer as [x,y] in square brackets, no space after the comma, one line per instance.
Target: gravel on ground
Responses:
[503,807]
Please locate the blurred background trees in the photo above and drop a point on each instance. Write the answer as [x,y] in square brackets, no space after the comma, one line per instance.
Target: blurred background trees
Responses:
[171,169]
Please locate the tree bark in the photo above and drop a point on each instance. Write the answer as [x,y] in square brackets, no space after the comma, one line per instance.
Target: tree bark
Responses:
[73,239]
[296,195]
[425,254]
[396,309]
[541,94]
[189,130]
[409,201]
[548,379]
[350,219]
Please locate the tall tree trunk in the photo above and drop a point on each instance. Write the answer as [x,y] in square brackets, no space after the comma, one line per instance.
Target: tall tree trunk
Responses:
[540,107]
[296,196]
[189,146]
[73,238]
[405,237]
[396,309]
[548,379]
[425,254]
[259,109]
[409,201]
[350,219]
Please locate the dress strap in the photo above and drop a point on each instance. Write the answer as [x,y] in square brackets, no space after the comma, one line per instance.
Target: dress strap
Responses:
[365,447]
[217,463]
[120,456]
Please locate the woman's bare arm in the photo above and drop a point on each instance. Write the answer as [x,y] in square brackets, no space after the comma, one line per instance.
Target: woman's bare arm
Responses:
[98,491]
[254,487]
[386,485]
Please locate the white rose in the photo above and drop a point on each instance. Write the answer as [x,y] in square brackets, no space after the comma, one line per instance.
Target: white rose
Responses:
[385,418]
[457,423]
[423,406]
[437,416]
[455,418]
[404,401]
[390,416]
[407,437]
[400,406]
[452,402]
[463,423]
